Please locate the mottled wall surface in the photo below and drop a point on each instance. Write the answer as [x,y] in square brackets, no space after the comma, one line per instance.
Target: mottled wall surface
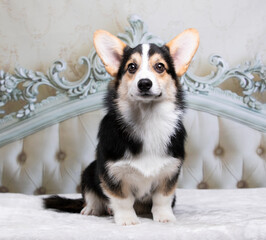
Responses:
[35,33]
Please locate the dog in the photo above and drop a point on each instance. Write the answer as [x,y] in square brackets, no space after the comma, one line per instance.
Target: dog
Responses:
[141,138]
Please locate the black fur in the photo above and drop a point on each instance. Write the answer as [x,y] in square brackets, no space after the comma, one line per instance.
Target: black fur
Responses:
[115,139]
[176,146]
[174,201]
[62,204]
[114,134]
[90,180]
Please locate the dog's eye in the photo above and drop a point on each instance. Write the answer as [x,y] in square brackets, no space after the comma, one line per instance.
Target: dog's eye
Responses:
[159,67]
[132,68]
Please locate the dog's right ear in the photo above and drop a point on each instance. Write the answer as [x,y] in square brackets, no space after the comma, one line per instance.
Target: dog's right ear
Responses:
[182,49]
[110,49]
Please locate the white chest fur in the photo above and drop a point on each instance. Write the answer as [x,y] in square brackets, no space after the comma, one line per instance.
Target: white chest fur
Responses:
[139,181]
[154,125]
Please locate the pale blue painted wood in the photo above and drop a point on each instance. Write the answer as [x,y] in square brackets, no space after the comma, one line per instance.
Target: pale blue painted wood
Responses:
[50,115]
[86,94]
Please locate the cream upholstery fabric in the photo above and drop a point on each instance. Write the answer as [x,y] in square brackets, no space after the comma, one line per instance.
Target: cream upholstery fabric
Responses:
[220,154]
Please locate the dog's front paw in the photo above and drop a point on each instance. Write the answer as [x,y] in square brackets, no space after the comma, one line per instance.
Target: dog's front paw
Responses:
[88,210]
[163,216]
[126,218]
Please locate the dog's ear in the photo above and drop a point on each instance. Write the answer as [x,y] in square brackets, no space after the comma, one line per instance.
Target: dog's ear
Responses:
[182,49]
[110,50]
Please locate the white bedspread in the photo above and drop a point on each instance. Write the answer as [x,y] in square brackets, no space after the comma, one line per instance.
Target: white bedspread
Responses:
[201,214]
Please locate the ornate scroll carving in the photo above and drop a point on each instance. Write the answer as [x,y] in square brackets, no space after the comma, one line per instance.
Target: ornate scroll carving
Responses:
[86,93]
[244,73]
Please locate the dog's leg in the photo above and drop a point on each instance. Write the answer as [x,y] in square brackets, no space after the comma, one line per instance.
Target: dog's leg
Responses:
[124,213]
[164,198]
[162,208]
[121,199]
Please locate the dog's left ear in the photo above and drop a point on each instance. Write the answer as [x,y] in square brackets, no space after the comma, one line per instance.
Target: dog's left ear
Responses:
[182,49]
[110,50]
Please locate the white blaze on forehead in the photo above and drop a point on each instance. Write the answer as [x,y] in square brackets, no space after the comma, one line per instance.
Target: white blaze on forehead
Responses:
[145,71]
[145,57]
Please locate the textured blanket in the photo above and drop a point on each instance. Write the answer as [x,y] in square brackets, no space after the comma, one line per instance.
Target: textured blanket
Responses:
[201,214]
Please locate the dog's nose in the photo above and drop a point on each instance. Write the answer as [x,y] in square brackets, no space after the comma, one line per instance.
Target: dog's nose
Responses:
[144,84]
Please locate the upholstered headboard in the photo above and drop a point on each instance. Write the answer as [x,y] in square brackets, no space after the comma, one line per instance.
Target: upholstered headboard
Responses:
[45,145]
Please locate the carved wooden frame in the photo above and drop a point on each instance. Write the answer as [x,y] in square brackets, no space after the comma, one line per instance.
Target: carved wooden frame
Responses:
[86,94]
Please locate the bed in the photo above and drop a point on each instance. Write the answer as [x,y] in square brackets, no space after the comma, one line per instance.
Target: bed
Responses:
[45,145]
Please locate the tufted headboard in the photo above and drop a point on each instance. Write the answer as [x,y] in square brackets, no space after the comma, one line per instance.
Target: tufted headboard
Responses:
[45,145]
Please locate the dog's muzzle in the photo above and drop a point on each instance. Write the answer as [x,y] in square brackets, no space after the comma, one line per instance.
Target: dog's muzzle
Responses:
[145,90]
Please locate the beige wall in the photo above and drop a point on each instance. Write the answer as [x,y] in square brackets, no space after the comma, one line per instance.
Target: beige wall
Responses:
[34,33]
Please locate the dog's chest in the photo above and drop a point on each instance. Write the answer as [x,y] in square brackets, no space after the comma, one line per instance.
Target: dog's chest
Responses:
[143,181]
[153,125]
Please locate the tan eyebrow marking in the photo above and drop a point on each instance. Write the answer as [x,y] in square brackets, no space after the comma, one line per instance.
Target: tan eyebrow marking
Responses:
[135,58]
[157,58]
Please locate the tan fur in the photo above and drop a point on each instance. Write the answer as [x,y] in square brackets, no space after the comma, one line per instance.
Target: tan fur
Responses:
[163,78]
[165,189]
[122,192]
[123,87]
[117,194]
[174,46]
[157,58]
[118,47]
[134,58]
[128,77]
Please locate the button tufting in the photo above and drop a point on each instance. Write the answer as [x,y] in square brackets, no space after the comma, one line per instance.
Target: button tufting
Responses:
[40,191]
[260,151]
[218,151]
[61,156]
[202,185]
[242,184]
[3,189]
[22,158]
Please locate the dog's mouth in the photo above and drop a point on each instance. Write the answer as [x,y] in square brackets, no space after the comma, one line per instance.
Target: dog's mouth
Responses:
[150,95]
[146,96]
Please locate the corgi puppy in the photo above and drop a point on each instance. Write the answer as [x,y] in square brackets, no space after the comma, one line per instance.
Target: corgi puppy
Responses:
[141,138]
